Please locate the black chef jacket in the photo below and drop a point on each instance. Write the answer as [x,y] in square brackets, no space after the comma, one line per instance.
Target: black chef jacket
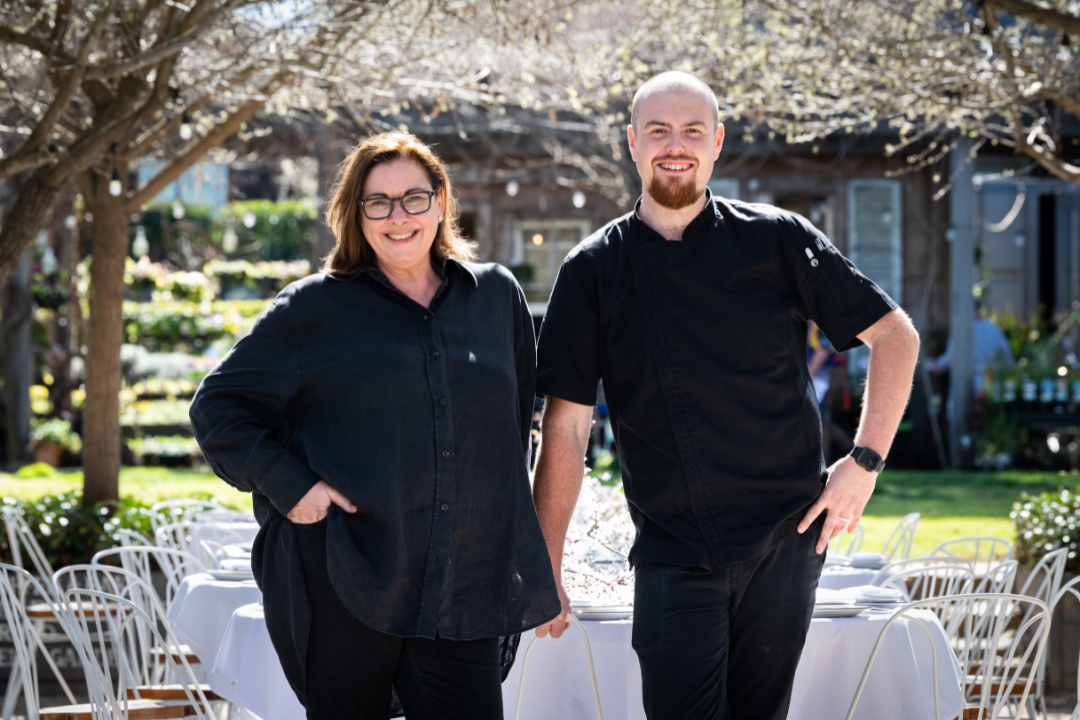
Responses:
[701,345]
[422,418]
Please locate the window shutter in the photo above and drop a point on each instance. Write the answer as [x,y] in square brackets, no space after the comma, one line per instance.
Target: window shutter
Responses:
[874,233]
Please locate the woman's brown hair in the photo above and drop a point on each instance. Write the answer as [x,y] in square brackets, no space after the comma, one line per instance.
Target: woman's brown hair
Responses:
[352,251]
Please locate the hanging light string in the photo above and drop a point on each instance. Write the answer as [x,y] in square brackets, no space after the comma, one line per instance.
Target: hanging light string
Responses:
[115,186]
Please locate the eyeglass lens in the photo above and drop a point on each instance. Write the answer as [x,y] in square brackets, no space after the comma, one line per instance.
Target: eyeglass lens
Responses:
[379,208]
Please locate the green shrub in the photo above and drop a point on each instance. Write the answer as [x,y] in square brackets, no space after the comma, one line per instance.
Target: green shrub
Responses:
[55,430]
[1046,522]
[188,326]
[165,450]
[70,534]
[34,471]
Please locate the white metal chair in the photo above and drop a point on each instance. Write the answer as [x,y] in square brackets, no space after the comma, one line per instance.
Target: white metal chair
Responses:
[931,581]
[995,667]
[131,629]
[847,544]
[588,656]
[1070,588]
[179,510]
[180,536]
[899,566]
[898,546]
[175,565]
[130,538]
[25,637]
[1043,583]
[39,599]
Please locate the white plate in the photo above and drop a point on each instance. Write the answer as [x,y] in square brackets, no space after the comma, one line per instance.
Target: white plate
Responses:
[231,575]
[837,561]
[839,611]
[604,614]
[868,564]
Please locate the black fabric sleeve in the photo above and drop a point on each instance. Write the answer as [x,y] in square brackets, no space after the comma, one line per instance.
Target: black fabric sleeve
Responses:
[242,403]
[831,291]
[568,353]
[525,358]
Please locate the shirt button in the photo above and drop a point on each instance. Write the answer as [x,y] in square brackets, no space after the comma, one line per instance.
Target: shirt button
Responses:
[444,507]
[435,354]
[424,318]
[442,401]
[446,453]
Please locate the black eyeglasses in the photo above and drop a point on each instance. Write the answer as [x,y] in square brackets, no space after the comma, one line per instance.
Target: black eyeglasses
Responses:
[414,203]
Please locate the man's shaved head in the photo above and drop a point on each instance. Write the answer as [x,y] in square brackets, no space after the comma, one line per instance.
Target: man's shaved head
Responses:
[673,80]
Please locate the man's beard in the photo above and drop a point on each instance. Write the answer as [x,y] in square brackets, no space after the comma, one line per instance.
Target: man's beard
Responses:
[673,195]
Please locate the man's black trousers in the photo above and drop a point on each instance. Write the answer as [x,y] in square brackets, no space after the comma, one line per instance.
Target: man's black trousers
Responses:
[723,643]
[351,668]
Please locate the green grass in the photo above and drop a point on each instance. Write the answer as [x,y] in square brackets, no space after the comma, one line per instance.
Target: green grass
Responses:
[149,484]
[952,504]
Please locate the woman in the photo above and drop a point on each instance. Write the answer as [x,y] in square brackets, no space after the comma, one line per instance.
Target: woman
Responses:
[380,412]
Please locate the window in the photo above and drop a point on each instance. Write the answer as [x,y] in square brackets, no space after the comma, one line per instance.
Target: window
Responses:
[726,188]
[874,233]
[540,246]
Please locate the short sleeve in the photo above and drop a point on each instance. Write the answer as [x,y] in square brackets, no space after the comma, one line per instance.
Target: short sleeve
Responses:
[568,353]
[831,290]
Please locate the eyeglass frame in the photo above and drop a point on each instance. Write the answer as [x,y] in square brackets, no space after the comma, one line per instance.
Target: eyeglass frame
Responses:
[399,200]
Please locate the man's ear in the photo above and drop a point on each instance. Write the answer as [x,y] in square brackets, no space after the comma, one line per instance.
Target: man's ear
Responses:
[631,139]
[719,140]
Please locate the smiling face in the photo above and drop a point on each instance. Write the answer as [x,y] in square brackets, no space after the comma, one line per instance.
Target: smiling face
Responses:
[401,242]
[675,140]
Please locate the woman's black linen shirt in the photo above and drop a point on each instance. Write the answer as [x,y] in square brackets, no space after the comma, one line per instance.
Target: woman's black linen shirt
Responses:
[421,417]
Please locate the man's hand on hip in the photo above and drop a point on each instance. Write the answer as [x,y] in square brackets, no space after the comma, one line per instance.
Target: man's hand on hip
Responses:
[847,491]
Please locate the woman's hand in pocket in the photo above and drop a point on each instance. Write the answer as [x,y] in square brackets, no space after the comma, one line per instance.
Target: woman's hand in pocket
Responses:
[313,507]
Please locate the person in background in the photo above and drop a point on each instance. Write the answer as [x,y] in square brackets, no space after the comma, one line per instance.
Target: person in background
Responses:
[991,347]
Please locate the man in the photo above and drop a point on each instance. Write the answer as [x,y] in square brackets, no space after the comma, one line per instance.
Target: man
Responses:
[693,311]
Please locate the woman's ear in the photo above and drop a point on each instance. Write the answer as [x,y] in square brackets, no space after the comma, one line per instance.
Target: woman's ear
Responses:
[440,202]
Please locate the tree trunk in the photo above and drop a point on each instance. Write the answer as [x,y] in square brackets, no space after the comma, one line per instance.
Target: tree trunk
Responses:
[18,317]
[101,414]
[27,215]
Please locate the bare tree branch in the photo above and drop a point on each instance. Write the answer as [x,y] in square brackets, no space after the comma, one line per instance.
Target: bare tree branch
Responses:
[165,50]
[1047,16]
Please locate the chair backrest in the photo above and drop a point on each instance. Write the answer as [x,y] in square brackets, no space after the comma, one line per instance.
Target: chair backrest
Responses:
[898,546]
[899,566]
[994,665]
[179,510]
[188,535]
[930,581]
[101,618]
[1044,581]
[979,550]
[175,565]
[847,543]
[25,638]
[130,538]
[999,578]
[26,553]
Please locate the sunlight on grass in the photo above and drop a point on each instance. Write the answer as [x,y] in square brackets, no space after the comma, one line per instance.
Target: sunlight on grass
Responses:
[933,531]
[149,484]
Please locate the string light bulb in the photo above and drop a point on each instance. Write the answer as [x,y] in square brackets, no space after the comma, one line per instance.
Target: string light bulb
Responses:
[115,187]
[185,126]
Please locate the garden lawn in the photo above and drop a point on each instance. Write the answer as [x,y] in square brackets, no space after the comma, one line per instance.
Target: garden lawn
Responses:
[952,504]
[149,484]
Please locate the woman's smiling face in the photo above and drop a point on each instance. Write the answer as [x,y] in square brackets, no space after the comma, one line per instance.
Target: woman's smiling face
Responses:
[401,242]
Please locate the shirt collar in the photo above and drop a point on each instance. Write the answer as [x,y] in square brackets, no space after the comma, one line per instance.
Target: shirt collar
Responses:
[704,221]
[461,266]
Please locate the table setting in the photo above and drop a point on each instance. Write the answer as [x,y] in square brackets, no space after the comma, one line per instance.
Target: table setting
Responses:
[219,614]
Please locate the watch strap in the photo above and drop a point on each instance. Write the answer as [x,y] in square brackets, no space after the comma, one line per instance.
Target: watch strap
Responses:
[868,459]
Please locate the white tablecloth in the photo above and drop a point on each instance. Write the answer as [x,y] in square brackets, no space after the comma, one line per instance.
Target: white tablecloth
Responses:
[841,578]
[200,614]
[223,533]
[557,685]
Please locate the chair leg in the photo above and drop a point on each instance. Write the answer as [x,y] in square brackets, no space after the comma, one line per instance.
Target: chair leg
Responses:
[39,627]
[14,690]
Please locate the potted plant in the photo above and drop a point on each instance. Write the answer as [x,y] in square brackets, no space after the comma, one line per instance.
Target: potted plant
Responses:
[49,439]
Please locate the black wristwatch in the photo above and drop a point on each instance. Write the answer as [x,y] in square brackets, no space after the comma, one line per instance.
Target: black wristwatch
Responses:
[868,459]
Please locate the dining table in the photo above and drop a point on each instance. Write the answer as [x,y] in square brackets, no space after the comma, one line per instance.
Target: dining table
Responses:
[226,626]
